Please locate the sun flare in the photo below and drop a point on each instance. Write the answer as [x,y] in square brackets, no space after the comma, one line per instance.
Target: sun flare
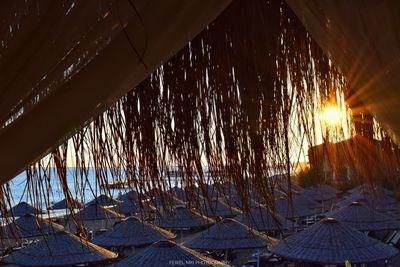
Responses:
[331,115]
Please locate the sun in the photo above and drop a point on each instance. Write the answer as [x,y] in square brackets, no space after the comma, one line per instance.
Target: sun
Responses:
[331,115]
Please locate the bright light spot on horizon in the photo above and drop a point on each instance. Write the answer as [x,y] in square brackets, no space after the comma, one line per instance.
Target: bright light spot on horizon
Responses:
[332,115]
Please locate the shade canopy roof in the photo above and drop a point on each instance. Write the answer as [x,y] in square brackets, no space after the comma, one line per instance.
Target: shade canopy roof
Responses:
[97,212]
[361,39]
[289,209]
[229,234]
[104,200]
[22,209]
[62,204]
[303,200]
[324,188]
[371,190]
[261,219]
[180,193]
[321,192]
[382,201]
[167,253]
[127,207]
[363,218]
[318,196]
[28,226]
[132,232]
[87,67]
[331,242]
[166,199]
[181,218]
[131,195]
[216,207]
[60,249]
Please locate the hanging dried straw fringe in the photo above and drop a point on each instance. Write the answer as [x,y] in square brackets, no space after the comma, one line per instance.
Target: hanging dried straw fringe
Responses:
[239,100]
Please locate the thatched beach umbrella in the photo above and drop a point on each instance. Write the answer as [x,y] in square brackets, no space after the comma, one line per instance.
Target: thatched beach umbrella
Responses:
[182,218]
[370,190]
[301,199]
[374,200]
[62,204]
[28,226]
[291,210]
[261,219]
[132,232]
[168,253]
[363,218]
[126,207]
[216,208]
[326,189]
[180,193]
[382,200]
[96,212]
[229,234]
[331,242]
[131,195]
[166,199]
[95,217]
[22,209]
[60,249]
[104,200]
[317,195]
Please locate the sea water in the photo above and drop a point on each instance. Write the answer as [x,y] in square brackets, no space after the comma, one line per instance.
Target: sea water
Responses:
[88,188]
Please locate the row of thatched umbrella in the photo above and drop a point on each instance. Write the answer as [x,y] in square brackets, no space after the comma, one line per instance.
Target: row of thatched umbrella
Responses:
[62,248]
[230,234]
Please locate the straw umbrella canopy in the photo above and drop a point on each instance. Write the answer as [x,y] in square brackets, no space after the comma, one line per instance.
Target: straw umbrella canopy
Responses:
[22,209]
[216,207]
[182,218]
[126,207]
[301,199]
[97,212]
[261,219]
[130,195]
[132,232]
[63,205]
[348,200]
[383,200]
[104,200]
[332,242]
[60,249]
[28,226]
[318,194]
[229,234]
[326,189]
[294,210]
[369,189]
[180,193]
[361,217]
[167,198]
[282,185]
[168,253]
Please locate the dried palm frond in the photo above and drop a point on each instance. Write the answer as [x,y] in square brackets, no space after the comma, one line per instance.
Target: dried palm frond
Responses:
[235,106]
